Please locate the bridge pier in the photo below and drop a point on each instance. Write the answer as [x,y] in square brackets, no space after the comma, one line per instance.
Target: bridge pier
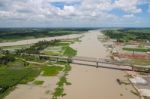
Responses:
[96,64]
[132,67]
[56,59]
[68,60]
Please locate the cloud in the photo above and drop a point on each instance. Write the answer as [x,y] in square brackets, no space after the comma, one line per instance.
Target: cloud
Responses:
[128,16]
[62,11]
[129,6]
[67,10]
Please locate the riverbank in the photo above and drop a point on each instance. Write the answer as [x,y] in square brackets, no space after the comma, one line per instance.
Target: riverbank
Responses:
[32,41]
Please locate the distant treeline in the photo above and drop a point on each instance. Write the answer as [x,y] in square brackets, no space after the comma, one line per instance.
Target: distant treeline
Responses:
[128,34]
[8,34]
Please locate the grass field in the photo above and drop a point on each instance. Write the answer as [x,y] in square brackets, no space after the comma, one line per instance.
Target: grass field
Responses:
[68,51]
[11,77]
[51,70]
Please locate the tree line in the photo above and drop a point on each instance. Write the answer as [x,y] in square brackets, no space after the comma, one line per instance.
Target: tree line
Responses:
[8,56]
[127,35]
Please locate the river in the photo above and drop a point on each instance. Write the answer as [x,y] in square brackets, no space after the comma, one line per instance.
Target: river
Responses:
[95,83]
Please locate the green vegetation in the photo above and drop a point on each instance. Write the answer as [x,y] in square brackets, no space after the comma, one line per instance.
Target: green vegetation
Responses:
[22,66]
[13,34]
[11,77]
[128,34]
[69,51]
[38,82]
[51,70]
[59,91]
[137,49]
[6,59]
[31,75]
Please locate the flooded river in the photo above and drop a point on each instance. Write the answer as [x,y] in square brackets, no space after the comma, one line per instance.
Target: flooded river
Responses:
[95,83]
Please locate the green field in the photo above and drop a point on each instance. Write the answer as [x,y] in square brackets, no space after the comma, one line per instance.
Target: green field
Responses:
[51,70]
[11,77]
[68,51]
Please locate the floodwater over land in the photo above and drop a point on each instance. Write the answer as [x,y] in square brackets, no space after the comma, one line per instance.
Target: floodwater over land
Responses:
[86,82]
[95,83]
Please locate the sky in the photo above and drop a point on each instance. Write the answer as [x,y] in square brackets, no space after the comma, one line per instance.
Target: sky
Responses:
[74,13]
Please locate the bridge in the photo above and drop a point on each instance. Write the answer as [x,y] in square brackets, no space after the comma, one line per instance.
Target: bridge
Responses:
[89,61]
[95,62]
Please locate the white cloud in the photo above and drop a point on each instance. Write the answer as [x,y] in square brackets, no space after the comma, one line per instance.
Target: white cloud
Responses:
[67,10]
[105,6]
[129,6]
[128,16]
[96,11]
